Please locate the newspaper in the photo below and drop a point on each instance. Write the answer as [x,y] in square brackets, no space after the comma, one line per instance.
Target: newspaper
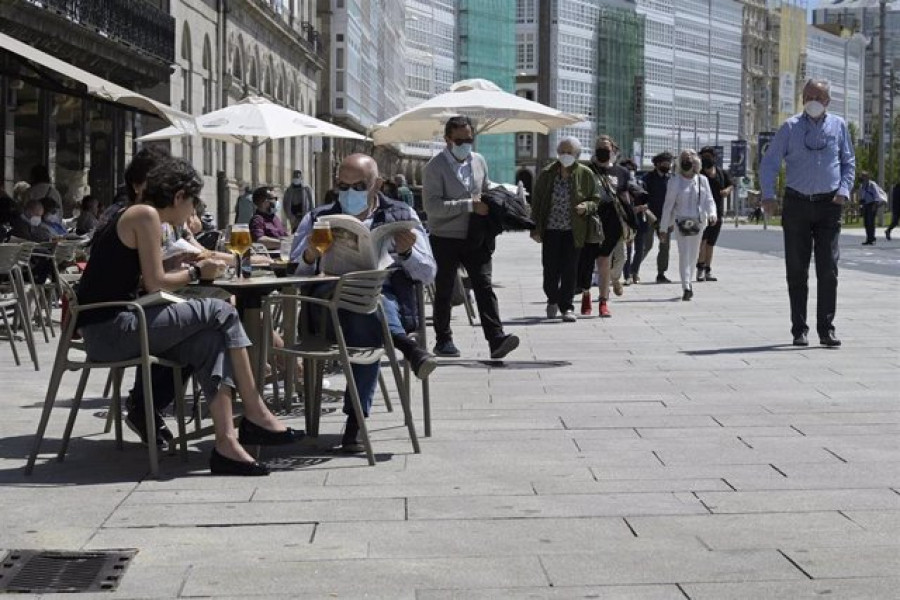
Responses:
[358,248]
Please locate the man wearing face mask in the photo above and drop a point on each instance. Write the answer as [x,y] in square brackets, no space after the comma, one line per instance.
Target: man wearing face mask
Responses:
[413,262]
[453,184]
[820,167]
[53,218]
[565,195]
[721,186]
[655,183]
[29,225]
[298,199]
[265,226]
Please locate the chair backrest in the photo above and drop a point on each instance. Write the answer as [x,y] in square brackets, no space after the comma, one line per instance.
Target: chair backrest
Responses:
[9,258]
[26,249]
[359,291]
[65,252]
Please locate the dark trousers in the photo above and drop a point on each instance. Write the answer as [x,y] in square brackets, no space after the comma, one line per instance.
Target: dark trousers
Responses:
[162,384]
[560,260]
[449,254]
[870,211]
[895,214]
[639,242]
[646,242]
[811,227]
[587,258]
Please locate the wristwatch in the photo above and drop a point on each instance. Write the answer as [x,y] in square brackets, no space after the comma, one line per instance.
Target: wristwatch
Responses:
[194,273]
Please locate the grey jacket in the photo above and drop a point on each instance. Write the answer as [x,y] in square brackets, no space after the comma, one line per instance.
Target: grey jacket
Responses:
[447,200]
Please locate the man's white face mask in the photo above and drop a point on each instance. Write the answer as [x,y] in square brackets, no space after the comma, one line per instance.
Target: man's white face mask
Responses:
[814,109]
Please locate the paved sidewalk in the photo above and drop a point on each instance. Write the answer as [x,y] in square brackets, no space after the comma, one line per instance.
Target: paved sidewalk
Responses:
[677,450]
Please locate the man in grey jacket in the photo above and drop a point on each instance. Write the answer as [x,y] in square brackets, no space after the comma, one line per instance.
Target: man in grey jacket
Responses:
[453,184]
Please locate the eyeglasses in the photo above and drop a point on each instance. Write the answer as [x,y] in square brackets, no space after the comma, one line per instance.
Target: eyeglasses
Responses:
[272,198]
[359,186]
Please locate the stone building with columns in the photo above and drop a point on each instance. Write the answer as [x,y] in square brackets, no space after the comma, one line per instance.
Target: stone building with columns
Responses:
[227,50]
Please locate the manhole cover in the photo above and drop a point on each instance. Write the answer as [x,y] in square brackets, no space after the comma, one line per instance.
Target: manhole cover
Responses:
[50,571]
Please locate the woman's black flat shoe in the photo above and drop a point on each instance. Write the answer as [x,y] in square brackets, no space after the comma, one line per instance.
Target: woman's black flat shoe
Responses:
[221,465]
[250,434]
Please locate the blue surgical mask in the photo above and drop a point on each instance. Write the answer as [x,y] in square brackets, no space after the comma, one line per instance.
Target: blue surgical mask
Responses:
[461,152]
[353,202]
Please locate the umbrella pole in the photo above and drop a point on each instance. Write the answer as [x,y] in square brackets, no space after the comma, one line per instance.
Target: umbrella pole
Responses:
[254,162]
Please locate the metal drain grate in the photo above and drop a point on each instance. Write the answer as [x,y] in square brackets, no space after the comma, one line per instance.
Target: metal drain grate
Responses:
[49,571]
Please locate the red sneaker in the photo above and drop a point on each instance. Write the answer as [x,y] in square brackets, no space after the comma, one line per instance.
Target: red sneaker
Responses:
[604,309]
[586,306]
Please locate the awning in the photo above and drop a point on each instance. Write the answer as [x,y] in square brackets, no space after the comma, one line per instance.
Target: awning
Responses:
[97,86]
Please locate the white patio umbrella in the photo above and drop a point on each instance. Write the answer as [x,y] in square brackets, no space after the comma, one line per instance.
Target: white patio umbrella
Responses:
[492,109]
[255,121]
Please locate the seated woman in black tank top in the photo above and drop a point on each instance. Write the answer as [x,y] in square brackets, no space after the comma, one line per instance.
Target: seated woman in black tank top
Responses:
[205,334]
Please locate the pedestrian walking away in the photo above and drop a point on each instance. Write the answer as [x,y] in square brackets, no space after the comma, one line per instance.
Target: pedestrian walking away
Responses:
[817,151]
[454,182]
[564,202]
[690,208]
[869,195]
[655,183]
[720,185]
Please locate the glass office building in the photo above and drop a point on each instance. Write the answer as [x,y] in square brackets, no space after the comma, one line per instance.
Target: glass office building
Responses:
[487,50]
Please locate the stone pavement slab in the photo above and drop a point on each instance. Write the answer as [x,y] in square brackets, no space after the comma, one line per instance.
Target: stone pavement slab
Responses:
[676,450]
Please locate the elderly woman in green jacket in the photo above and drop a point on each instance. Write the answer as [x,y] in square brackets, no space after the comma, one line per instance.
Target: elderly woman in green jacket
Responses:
[565,196]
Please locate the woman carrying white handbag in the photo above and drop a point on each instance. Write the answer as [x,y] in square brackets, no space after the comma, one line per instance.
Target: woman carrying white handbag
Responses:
[690,208]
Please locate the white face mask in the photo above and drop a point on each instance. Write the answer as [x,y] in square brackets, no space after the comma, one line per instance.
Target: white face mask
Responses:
[814,109]
[34,221]
[566,160]
[296,181]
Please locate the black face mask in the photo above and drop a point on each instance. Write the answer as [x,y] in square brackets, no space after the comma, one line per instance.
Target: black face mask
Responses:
[687,165]
[664,168]
[707,163]
[603,155]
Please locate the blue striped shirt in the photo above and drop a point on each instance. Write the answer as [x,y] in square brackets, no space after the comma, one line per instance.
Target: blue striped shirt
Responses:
[818,157]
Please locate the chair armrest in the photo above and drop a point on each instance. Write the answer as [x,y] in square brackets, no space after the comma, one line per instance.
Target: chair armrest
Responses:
[99,305]
[298,298]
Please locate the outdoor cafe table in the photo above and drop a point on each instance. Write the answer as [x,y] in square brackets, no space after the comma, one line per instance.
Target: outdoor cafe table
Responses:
[249,294]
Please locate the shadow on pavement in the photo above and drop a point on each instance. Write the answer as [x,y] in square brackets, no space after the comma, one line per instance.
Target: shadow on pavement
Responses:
[505,364]
[745,350]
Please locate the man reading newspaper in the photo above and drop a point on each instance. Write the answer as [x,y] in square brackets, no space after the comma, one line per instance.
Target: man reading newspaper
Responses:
[361,246]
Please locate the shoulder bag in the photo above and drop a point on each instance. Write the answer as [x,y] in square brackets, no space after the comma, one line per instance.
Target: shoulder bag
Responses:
[689,226]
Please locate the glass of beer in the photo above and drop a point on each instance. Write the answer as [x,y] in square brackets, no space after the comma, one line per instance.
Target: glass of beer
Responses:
[321,237]
[238,242]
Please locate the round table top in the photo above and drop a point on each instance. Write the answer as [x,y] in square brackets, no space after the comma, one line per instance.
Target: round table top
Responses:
[270,281]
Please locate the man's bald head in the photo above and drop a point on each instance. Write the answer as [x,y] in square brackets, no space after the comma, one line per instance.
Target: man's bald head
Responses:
[358,167]
[817,89]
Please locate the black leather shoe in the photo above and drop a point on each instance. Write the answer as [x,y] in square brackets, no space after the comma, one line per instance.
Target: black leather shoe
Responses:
[801,340]
[503,345]
[687,295]
[251,434]
[422,363]
[136,423]
[829,340]
[221,465]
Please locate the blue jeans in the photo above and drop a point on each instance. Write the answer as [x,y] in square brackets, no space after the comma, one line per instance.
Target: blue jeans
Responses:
[365,330]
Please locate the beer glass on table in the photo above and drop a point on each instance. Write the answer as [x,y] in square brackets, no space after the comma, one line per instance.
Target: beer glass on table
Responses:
[321,237]
[238,243]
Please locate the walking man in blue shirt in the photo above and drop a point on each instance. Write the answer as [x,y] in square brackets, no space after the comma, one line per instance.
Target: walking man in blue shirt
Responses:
[820,167]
